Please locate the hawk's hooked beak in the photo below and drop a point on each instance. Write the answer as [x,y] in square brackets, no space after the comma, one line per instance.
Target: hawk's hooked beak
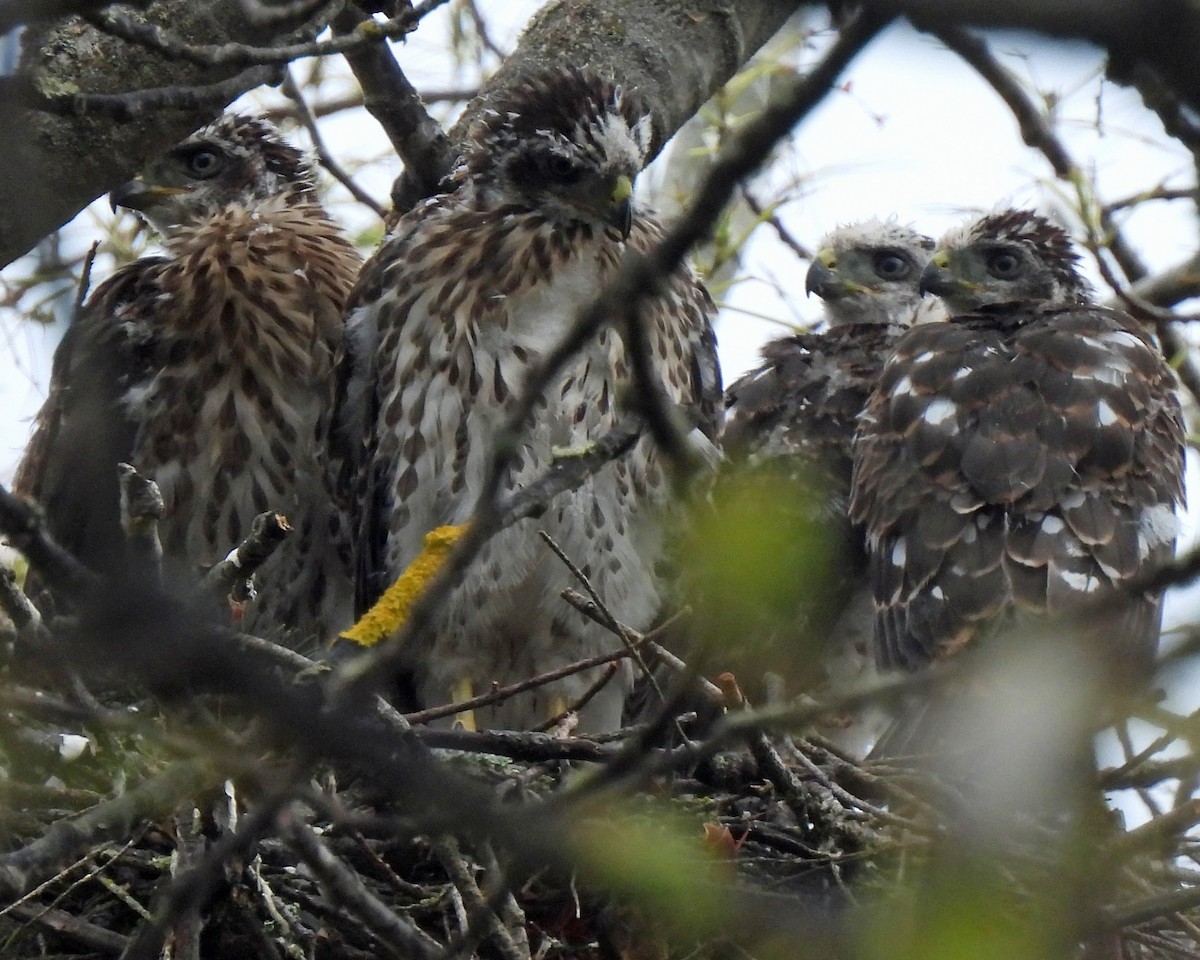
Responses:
[138,195]
[621,214]
[824,282]
[818,278]
[937,279]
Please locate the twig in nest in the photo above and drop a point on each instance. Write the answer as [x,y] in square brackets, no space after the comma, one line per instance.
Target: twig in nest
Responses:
[499,694]
[508,910]
[528,747]
[608,620]
[189,845]
[397,936]
[199,883]
[110,820]
[16,605]
[795,793]
[282,918]
[600,683]
[24,526]
[800,753]
[73,929]
[1157,832]
[233,575]
[588,608]
[480,912]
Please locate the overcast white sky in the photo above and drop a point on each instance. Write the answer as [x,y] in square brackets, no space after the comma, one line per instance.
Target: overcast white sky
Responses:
[913,133]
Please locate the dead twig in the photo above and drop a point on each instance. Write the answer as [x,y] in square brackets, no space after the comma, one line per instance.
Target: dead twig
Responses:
[290,89]
[482,918]
[500,694]
[233,575]
[394,934]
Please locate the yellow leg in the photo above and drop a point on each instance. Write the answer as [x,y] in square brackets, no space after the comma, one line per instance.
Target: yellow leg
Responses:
[558,705]
[463,690]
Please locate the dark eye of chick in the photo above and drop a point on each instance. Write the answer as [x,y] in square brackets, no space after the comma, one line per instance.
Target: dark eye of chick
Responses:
[1003,264]
[890,265]
[203,163]
[560,168]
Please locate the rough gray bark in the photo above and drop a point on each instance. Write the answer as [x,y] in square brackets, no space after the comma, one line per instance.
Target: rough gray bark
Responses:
[55,164]
[676,53]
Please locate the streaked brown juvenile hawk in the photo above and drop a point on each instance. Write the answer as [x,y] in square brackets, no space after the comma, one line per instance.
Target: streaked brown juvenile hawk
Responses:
[789,430]
[469,292]
[1025,456]
[211,369]
[803,401]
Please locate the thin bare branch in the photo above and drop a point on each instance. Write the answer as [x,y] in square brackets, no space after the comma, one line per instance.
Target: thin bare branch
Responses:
[291,90]
[369,32]
[417,138]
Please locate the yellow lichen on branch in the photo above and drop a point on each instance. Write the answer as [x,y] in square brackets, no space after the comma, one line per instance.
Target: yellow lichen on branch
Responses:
[391,610]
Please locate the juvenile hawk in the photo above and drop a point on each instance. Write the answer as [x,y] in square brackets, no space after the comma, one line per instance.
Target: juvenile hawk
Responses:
[803,401]
[1027,455]
[469,292]
[211,369]
[789,428]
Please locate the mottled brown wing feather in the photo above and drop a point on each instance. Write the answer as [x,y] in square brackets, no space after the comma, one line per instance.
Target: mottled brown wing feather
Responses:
[83,430]
[363,478]
[1015,460]
[684,344]
[804,400]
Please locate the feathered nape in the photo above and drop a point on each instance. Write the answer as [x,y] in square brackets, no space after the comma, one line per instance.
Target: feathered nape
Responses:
[273,166]
[1050,242]
[571,106]
[876,234]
